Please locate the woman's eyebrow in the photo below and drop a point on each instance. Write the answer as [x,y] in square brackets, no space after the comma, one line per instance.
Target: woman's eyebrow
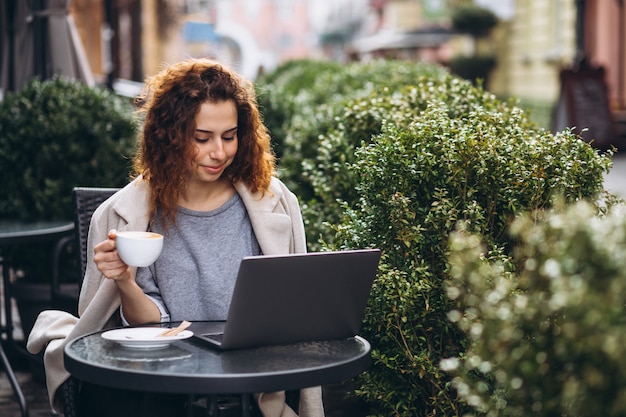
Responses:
[209,131]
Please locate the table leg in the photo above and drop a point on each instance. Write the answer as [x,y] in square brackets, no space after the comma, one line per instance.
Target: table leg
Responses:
[7,328]
[190,407]
[245,405]
[212,407]
[16,387]
[217,407]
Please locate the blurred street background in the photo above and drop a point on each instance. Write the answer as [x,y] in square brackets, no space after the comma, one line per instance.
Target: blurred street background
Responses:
[562,60]
[615,181]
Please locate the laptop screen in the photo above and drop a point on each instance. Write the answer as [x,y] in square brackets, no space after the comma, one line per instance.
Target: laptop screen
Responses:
[299,297]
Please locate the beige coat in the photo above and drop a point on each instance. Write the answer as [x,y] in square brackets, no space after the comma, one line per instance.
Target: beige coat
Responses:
[277,224]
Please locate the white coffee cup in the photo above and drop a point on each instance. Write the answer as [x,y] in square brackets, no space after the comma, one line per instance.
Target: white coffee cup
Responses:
[139,248]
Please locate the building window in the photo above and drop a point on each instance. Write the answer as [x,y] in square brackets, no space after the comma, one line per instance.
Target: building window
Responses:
[197,6]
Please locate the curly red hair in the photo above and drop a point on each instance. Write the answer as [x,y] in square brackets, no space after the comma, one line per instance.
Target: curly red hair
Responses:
[169,103]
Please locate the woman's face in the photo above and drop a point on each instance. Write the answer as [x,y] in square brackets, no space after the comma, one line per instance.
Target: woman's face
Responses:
[216,140]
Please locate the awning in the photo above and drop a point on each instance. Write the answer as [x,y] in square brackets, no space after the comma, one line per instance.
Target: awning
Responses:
[17,45]
[40,43]
[67,55]
[389,40]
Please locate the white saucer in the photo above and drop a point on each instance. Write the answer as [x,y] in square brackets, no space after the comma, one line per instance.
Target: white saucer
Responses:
[144,337]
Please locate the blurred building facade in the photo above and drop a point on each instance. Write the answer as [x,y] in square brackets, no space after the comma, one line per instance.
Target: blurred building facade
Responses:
[532,45]
[533,42]
[542,40]
[406,29]
[130,39]
[605,45]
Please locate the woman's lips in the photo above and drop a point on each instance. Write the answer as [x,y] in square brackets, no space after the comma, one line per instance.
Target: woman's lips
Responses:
[212,170]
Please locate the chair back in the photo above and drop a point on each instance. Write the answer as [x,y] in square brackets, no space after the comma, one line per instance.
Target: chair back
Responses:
[86,201]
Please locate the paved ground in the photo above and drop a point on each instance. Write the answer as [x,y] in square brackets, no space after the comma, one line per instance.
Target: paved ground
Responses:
[34,388]
[615,181]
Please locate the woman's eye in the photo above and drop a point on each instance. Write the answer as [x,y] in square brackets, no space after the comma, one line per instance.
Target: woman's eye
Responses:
[229,137]
[201,140]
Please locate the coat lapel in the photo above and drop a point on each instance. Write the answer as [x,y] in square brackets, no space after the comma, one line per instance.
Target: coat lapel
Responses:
[269,218]
[133,207]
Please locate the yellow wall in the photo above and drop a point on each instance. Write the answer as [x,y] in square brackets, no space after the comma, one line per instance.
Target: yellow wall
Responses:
[402,15]
[532,48]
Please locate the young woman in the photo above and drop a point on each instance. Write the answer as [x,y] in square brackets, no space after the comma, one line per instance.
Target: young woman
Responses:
[204,179]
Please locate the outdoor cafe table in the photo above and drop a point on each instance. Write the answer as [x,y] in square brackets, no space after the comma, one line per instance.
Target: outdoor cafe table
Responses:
[21,233]
[192,367]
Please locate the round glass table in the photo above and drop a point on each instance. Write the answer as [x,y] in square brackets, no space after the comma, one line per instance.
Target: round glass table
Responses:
[19,233]
[193,367]
[16,232]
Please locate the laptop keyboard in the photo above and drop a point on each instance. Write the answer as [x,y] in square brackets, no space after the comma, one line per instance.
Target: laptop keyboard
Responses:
[214,336]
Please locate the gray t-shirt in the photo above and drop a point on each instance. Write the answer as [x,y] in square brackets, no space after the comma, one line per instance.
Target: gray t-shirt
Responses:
[194,277]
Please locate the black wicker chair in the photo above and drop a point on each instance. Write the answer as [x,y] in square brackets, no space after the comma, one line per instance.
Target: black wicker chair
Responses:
[86,200]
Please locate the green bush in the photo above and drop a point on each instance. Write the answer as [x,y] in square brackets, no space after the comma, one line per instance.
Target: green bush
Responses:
[415,184]
[548,340]
[288,93]
[303,103]
[55,135]
[396,167]
[300,99]
[474,20]
[476,68]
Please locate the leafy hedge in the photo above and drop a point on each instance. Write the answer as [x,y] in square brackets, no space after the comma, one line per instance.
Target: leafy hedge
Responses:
[474,20]
[303,103]
[396,168]
[55,135]
[551,339]
[301,98]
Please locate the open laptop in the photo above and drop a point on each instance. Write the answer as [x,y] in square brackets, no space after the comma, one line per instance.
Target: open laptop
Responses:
[295,298]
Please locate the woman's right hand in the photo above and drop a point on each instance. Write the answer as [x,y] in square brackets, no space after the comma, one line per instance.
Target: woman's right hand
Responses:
[108,261]
[138,308]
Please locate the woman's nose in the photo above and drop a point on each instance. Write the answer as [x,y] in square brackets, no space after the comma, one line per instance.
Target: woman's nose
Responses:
[217,150]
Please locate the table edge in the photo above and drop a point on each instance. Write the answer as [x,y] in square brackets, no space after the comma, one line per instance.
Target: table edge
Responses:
[15,237]
[239,384]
